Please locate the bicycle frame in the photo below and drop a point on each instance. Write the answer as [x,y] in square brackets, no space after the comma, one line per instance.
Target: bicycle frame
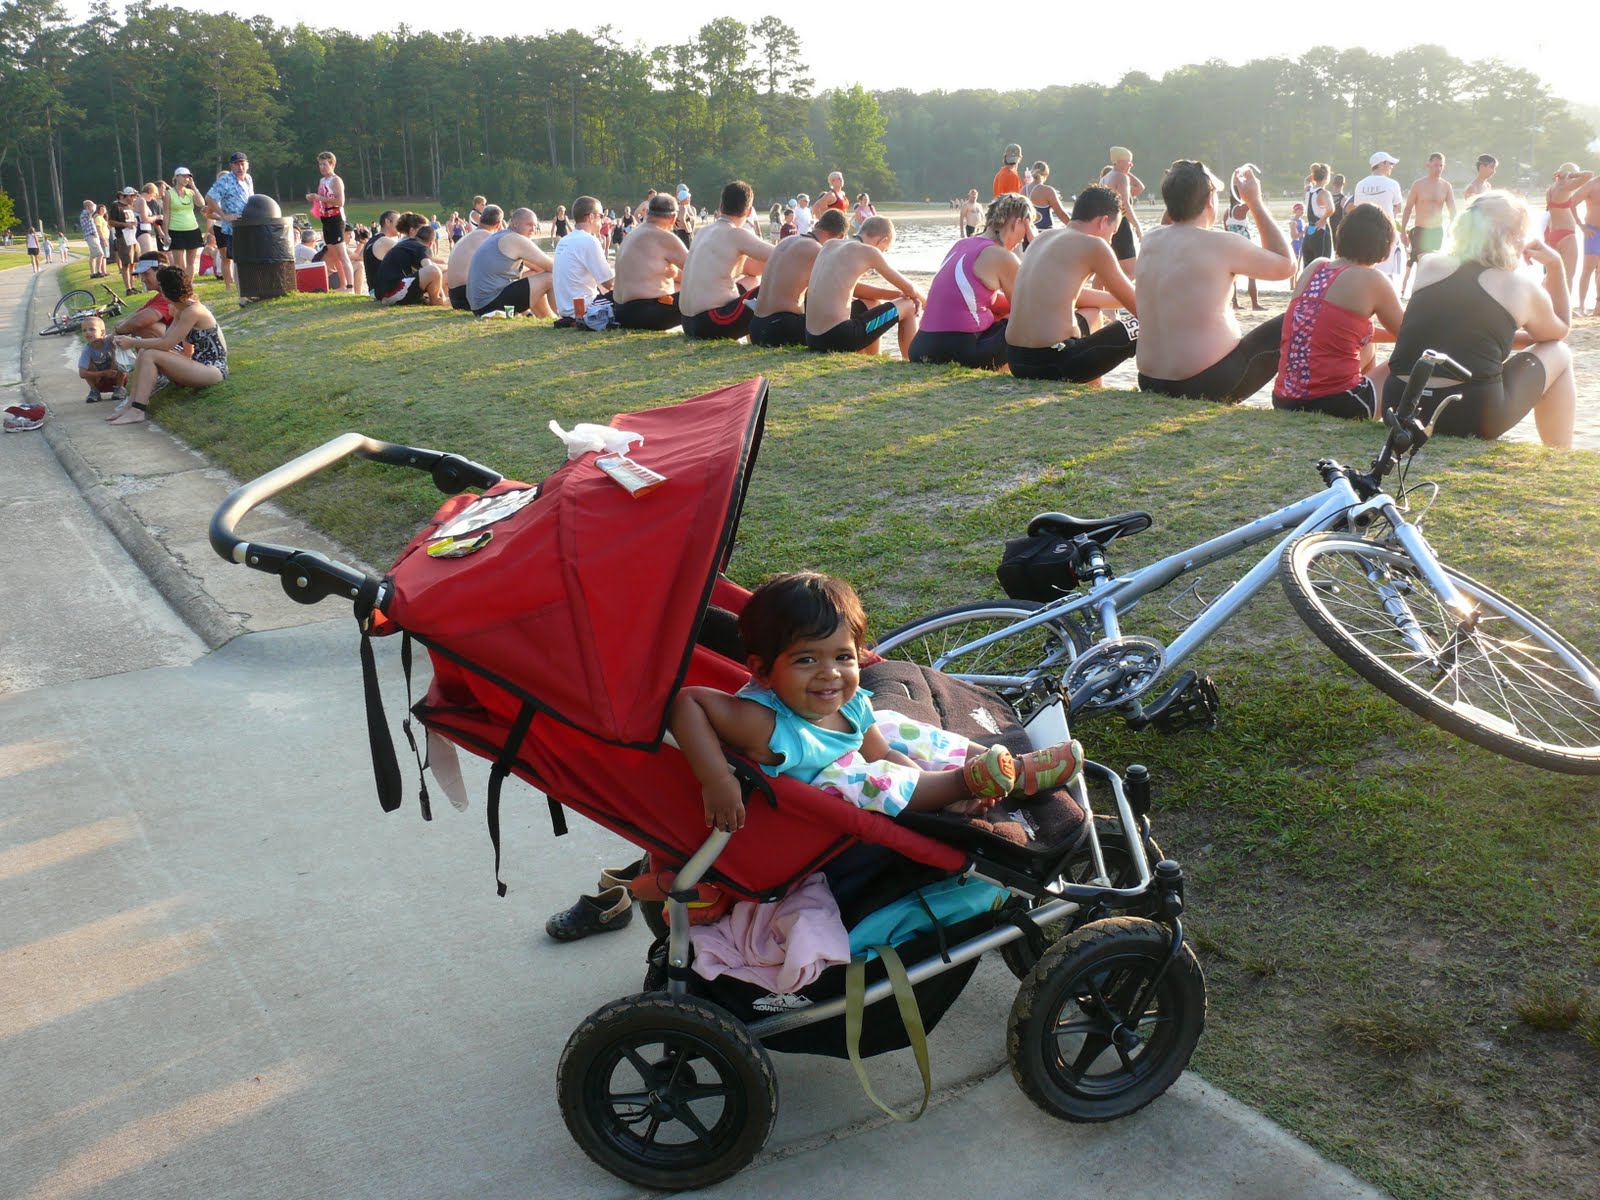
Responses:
[1110,596]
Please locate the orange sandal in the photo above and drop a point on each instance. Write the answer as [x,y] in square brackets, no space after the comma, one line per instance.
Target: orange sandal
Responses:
[991,774]
[1041,770]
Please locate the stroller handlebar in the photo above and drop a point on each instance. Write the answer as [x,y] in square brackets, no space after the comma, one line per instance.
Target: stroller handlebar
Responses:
[309,576]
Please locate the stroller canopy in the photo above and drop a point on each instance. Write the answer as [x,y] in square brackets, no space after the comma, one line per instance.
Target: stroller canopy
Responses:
[586,602]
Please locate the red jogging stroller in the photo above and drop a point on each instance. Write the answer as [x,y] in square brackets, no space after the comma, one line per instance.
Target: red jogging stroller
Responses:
[560,619]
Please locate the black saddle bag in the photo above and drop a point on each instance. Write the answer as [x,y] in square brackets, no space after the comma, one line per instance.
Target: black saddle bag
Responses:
[1038,567]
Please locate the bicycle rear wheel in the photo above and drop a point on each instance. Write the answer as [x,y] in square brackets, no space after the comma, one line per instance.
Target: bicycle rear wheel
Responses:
[1008,666]
[68,314]
[1497,676]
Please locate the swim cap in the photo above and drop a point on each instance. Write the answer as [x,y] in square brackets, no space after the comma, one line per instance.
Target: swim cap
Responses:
[1118,153]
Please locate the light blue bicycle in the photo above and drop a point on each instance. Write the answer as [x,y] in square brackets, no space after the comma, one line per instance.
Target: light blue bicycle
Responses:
[1359,573]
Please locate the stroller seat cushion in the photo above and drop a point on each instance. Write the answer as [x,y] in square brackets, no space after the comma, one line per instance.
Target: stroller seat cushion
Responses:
[1049,820]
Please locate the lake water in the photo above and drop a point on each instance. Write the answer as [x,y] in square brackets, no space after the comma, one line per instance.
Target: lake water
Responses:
[921,244]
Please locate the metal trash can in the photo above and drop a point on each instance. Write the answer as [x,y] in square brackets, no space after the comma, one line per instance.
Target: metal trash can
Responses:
[263,250]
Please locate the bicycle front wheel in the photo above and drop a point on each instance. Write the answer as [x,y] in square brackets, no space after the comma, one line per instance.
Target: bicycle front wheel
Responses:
[69,312]
[1495,675]
[1008,666]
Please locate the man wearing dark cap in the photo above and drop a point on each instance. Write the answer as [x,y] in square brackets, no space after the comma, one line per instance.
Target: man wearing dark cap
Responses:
[124,234]
[649,268]
[225,204]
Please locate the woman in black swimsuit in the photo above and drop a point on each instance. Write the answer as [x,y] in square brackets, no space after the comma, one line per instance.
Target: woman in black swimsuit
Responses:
[203,361]
[1470,305]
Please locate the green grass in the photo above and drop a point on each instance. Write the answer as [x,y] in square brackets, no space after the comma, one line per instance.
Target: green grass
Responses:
[1394,924]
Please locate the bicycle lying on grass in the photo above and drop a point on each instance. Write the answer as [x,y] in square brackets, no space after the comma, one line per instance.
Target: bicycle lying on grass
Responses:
[1360,574]
[76,307]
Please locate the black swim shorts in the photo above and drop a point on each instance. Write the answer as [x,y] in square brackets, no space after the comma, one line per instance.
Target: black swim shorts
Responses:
[333,230]
[655,313]
[1360,403]
[1238,375]
[1081,359]
[458,298]
[730,321]
[1488,407]
[984,351]
[516,296]
[863,327]
[1122,243]
[1425,240]
[778,329]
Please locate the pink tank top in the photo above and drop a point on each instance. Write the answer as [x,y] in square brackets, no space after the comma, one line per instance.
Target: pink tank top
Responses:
[1320,353]
[958,301]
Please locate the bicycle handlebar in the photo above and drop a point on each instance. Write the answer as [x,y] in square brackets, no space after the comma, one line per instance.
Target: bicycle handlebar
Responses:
[1406,433]
[309,576]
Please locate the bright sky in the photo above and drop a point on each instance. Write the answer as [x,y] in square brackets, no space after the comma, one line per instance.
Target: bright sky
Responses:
[1029,47]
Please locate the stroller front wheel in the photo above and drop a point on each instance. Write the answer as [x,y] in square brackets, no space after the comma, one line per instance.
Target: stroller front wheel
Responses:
[1098,1029]
[667,1091]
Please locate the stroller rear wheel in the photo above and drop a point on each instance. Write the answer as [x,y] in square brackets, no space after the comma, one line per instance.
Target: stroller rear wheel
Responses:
[1099,1029]
[667,1091]
[1117,852]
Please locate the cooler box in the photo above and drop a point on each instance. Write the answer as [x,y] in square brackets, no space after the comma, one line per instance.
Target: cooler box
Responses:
[311,277]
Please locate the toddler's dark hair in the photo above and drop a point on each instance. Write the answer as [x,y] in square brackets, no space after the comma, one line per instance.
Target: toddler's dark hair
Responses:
[802,604]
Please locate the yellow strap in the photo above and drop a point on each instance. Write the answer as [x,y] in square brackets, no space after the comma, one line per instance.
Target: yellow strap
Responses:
[855,987]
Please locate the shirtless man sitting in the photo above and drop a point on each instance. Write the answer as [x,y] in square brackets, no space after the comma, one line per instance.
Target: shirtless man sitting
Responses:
[1049,335]
[780,318]
[509,271]
[836,316]
[1121,180]
[723,268]
[1189,342]
[455,275]
[649,268]
[1429,197]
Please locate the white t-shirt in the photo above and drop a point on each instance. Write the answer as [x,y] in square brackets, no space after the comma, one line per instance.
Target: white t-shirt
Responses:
[1382,190]
[580,269]
[304,253]
[803,220]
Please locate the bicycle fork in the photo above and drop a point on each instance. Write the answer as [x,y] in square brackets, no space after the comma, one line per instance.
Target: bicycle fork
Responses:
[1441,659]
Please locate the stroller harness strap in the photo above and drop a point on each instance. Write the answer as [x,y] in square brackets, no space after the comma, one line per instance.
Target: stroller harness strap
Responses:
[385,765]
[905,998]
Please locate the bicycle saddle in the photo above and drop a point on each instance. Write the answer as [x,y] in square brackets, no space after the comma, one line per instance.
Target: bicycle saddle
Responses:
[1098,529]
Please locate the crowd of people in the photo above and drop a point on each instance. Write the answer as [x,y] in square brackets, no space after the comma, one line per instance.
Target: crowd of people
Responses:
[1040,284]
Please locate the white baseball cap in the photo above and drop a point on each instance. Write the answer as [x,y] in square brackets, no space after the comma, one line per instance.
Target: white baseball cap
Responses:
[183,171]
[1382,156]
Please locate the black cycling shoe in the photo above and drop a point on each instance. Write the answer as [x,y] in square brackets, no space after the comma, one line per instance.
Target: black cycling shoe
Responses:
[611,909]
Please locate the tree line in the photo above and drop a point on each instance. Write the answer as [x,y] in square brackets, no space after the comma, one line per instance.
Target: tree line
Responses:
[117,100]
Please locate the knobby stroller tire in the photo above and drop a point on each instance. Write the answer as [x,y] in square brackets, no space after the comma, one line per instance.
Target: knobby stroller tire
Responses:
[1062,1034]
[667,1091]
[1047,647]
[1120,869]
[1515,685]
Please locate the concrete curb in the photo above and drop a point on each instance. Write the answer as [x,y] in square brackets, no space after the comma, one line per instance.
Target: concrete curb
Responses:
[213,624]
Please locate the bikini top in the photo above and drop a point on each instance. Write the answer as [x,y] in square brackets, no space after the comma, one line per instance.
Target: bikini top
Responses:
[1551,205]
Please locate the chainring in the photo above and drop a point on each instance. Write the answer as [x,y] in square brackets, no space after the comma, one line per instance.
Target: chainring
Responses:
[1114,672]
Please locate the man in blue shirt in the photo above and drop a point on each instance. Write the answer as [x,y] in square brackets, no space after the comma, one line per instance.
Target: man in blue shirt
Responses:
[225,204]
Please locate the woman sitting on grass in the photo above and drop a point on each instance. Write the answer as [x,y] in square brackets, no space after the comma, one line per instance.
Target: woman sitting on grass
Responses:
[1325,363]
[200,361]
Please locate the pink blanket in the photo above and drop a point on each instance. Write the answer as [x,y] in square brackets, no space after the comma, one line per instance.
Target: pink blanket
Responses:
[781,946]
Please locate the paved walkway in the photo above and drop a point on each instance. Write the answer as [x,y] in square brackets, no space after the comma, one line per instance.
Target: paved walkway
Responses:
[224,973]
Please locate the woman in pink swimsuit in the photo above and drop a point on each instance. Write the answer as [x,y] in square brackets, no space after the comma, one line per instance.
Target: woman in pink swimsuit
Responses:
[964,319]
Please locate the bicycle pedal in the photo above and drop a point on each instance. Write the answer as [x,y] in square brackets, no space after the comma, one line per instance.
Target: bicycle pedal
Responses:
[1190,703]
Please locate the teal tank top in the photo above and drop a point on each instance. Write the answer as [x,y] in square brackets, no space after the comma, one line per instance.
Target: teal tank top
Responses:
[807,748]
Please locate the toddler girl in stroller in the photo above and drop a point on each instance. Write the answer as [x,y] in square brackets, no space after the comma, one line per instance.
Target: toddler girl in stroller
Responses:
[805,714]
